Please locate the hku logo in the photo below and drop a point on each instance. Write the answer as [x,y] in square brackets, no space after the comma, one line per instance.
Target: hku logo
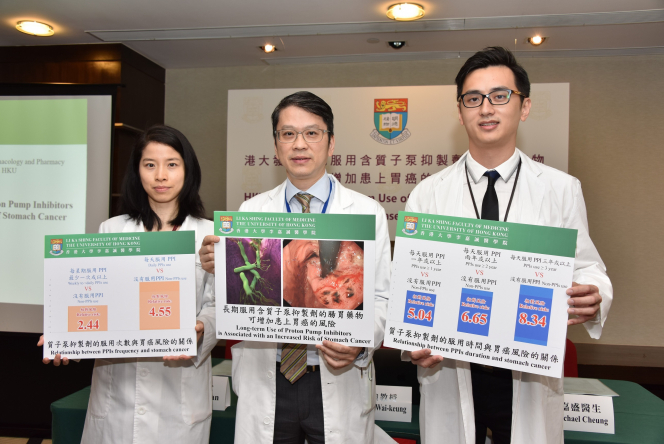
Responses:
[56,247]
[390,118]
[226,224]
[409,225]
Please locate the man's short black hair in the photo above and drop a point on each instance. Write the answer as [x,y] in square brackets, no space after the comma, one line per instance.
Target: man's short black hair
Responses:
[494,56]
[309,102]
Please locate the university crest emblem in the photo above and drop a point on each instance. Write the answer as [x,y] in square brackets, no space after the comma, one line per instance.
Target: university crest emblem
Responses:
[409,225]
[390,118]
[56,247]
[226,224]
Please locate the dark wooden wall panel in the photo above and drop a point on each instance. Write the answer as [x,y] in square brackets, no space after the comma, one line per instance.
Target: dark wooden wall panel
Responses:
[62,53]
[69,72]
[138,84]
[124,141]
[141,99]
[148,67]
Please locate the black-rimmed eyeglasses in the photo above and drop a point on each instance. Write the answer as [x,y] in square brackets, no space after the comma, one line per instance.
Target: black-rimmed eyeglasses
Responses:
[498,97]
[309,135]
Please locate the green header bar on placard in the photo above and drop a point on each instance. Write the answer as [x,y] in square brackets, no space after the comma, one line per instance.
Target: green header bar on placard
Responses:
[295,225]
[119,244]
[44,122]
[487,233]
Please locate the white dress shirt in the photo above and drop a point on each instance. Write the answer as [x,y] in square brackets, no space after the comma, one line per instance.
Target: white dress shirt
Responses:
[479,182]
[322,191]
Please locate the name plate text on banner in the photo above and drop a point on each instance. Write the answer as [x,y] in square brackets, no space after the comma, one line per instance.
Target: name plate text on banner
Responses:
[120,295]
[588,413]
[394,403]
[294,277]
[492,293]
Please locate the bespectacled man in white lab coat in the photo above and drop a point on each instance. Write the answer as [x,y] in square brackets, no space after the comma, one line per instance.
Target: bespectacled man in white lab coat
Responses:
[461,400]
[334,401]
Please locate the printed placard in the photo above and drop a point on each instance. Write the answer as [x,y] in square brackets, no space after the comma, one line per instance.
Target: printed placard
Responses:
[293,277]
[496,291]
[587,413]
[120,295]
[394,403]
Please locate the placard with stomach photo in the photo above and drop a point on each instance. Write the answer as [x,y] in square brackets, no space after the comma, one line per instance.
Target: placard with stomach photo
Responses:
[297,278]
[253,271]
[323,274]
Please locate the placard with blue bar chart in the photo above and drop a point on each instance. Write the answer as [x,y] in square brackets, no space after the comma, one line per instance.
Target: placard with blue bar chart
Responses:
[486,292]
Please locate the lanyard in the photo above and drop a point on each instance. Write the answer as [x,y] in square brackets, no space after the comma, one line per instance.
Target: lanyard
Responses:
[324,206]
[509,205]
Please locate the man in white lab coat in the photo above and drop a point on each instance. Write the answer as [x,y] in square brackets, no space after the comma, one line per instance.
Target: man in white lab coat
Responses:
[333,402]
[461,400]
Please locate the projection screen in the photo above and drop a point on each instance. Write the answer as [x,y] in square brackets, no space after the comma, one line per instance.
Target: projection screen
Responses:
[55,166]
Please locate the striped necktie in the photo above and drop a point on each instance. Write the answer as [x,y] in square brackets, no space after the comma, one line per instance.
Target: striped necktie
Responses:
[305,201]
[294,356]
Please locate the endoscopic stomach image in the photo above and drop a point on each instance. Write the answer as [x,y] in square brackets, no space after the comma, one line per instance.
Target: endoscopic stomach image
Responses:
[323,274]
[253,271]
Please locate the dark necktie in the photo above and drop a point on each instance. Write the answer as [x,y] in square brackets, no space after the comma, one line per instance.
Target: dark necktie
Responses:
[490,202]
[294,356]
[490,209]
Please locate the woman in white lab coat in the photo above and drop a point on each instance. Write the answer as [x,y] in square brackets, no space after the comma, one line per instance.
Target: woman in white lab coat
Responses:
[155,400]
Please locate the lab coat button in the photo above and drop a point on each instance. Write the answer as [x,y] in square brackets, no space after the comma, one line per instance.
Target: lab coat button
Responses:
[144,372]
[141,410]
[270,374]
[266,420]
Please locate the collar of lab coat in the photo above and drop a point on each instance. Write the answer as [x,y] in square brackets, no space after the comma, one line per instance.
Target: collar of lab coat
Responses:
[530,189]
[341,201]
[505,169]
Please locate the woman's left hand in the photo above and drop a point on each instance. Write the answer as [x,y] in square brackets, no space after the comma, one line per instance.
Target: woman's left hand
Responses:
[200,329]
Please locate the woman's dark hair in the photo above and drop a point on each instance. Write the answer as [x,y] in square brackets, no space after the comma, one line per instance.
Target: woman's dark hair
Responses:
[309,102]
[494,56]
[134,201]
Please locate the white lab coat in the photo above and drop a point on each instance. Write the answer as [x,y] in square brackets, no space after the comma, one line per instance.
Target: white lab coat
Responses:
[148,400]
[348,394]
[545,196]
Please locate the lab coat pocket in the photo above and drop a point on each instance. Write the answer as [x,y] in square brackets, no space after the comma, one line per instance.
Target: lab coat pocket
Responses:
[368,388]
[100,392]
[237,350]
[196,392]
[429,375]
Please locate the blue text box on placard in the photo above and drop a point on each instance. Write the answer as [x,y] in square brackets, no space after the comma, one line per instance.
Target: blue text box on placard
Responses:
[533,315]
[420,308]
[475,312]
